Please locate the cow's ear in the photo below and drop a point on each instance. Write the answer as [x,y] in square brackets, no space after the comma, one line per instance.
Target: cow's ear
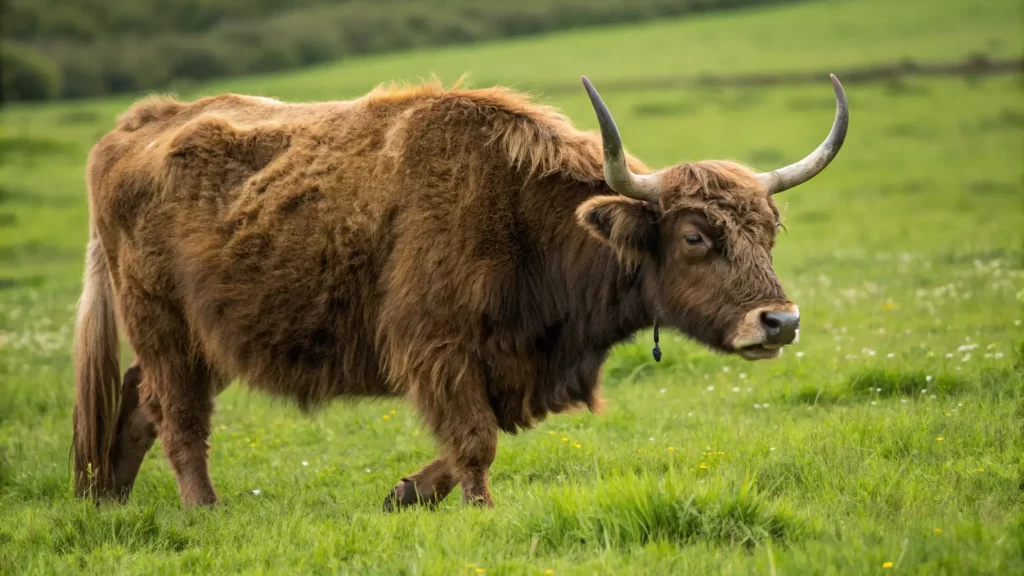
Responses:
[629,226]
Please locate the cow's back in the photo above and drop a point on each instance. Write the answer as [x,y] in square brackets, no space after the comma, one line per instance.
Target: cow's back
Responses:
[253,218]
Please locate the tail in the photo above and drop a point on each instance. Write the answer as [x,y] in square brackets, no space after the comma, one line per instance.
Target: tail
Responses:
[97,375]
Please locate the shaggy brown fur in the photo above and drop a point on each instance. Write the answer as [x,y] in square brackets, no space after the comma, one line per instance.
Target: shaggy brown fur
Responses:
[456,247]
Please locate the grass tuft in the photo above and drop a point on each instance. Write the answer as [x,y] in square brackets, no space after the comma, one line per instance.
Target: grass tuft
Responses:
[634,511]
[81,530]
[893,382]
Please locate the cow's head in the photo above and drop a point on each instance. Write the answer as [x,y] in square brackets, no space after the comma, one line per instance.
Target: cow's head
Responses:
[702,236]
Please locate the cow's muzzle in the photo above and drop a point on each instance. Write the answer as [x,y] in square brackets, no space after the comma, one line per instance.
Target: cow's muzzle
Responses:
[765,330]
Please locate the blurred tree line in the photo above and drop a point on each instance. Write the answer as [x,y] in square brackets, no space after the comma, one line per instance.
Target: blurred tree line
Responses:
[80,48]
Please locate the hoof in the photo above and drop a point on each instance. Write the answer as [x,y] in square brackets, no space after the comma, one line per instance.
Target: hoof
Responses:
[481,501]
[401,496]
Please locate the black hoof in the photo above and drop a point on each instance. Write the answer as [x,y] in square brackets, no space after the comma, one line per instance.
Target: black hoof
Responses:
[401,496]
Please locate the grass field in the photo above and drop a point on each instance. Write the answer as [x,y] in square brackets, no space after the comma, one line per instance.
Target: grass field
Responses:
[892,433]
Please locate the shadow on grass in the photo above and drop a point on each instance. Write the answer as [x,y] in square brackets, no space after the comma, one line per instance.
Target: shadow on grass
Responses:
[81,530]
[633,511]
[889,382]
[879,383]
[14,148]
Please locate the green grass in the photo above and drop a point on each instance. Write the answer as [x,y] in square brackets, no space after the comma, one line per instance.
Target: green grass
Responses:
[891,433]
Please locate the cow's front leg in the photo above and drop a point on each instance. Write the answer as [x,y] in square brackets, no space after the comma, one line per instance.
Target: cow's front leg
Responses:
[428,487]
[454,403]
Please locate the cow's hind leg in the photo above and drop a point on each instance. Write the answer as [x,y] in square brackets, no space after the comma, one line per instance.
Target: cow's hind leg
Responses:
[176,391]
[177,395]
[428,487]
[134,436]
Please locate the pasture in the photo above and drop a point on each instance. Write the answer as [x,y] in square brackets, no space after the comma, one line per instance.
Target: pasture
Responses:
[890,439]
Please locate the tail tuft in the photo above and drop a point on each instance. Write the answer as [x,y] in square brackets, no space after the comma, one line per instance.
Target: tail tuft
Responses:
[98,379]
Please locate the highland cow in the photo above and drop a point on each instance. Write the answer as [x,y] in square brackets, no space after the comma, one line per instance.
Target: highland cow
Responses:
[466,249]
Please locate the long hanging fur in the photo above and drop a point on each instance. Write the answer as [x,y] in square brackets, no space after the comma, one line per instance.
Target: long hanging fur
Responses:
[444,245]
[97,377]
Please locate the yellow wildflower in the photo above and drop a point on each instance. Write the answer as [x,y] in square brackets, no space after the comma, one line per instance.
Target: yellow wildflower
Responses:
[939,438]
[938,530]
[564,439]
[549,571]
[576,445]
[386,417]
[671,449]
[886,564]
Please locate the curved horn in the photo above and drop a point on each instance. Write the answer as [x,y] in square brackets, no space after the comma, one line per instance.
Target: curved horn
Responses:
[796,174]
[645,187]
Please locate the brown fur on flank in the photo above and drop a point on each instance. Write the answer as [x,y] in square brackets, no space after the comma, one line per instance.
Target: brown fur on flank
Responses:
[457,247]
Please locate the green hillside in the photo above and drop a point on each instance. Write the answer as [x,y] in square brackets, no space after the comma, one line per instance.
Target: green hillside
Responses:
[888,440]
[81,48]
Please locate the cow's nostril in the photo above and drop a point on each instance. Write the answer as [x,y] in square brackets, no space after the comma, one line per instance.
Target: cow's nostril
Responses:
[780,326]
[771,323]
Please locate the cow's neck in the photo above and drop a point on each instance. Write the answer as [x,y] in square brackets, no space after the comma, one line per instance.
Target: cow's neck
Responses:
[607,301]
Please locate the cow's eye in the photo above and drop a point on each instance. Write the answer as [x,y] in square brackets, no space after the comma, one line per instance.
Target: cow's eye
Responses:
[694,240]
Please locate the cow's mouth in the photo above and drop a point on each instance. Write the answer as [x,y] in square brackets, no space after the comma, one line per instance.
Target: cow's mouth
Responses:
[760,351]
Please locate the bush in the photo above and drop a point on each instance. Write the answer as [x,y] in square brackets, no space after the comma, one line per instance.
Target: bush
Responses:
[26,74]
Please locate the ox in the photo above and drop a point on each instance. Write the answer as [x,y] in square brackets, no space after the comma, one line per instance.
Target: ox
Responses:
[466,249]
